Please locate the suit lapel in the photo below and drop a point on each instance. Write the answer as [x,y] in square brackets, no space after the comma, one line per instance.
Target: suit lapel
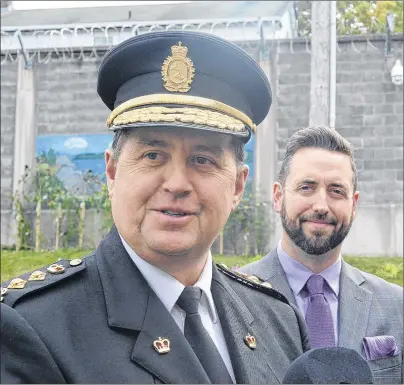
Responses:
[132,304]
[354,308]
[250,366]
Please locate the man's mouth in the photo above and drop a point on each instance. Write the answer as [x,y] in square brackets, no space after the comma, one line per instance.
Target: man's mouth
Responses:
[175,213]
[320,222]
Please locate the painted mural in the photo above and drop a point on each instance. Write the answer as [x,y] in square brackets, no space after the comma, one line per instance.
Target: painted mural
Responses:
[76,160]
[249,157]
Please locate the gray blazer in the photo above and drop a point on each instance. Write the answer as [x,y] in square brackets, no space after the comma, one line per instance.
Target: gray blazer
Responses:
[96,323]
[368,306]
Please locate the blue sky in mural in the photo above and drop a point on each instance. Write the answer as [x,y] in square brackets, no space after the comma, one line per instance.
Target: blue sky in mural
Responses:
[74,144]
[86,152]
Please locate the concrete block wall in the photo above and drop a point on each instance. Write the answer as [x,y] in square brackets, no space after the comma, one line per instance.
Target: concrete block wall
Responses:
[8,98]
[369,112]
[67,99]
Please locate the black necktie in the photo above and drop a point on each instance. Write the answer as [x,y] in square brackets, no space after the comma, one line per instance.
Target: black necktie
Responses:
[199,338]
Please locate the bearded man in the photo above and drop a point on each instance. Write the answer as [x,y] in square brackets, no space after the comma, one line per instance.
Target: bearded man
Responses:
[316,196]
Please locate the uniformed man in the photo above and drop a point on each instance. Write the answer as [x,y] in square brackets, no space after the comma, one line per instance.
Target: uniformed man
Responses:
[149,305]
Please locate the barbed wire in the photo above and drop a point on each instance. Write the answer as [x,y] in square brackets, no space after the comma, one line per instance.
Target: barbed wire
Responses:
[94,41]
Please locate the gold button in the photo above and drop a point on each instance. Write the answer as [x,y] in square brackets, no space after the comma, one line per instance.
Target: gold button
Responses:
[75,262]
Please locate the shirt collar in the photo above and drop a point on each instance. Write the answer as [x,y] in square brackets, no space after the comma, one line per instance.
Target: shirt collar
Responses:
[167,288]
[298,274]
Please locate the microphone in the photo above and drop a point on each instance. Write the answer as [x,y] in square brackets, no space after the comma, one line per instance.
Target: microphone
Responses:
[333,365]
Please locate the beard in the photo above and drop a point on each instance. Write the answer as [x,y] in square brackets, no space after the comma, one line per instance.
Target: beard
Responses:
[319,243]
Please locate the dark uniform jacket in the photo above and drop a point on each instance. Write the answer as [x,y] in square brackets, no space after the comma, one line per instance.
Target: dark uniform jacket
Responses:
[96,323]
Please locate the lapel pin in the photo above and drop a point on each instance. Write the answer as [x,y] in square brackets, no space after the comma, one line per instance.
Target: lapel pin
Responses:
[17,283]
[161,345]
[37,276]
[4,291]
[250,341]
[56,269]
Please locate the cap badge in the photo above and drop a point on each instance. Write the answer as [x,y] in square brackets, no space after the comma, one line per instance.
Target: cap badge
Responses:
[162,345]
[250,341]
[178,70]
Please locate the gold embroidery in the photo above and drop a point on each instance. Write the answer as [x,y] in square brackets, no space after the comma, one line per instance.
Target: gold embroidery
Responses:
[185,115]
[206,105]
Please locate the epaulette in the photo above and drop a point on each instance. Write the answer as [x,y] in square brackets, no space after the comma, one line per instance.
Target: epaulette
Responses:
[48,276]
[252,281]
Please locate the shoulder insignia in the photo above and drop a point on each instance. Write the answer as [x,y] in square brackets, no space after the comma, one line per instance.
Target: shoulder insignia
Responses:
[28,283]
[253,282]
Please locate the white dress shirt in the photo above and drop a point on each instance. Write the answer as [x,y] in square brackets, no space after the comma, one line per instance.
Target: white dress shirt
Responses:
[297,276]
[168,290]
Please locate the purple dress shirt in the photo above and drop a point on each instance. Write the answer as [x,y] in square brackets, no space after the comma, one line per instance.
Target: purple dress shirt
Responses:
[297,276]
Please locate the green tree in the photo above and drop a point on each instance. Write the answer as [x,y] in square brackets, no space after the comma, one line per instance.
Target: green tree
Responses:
[355,17]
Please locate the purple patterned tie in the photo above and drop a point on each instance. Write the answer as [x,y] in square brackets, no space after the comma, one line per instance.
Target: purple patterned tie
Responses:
[318,314]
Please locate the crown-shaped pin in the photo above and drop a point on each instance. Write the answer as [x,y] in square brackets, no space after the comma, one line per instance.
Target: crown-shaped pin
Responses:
[250,341]
[161,345]
[179,50]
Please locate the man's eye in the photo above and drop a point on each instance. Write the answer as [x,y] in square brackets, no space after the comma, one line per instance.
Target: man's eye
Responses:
[337,191]
[305,188]
[202,160]
[152,155]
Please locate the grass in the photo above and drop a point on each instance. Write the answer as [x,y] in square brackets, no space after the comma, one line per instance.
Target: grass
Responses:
[14,264]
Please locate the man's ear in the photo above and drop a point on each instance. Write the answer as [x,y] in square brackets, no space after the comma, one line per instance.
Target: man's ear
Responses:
[110,170]
[240,186]
[355,203]
[277,196]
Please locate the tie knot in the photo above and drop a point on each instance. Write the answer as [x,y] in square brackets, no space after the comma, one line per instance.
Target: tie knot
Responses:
[315,284]
[189,299]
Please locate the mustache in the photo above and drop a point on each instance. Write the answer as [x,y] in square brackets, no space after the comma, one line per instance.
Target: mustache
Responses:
[318,217]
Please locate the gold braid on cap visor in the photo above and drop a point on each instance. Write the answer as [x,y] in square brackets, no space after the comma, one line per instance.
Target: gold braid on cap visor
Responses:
[198,110]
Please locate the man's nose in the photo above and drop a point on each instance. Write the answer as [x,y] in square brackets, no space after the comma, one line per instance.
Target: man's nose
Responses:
[320,204]
[176,180]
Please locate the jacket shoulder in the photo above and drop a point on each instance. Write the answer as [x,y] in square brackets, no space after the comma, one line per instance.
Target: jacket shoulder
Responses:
[253,282]
[40,280]
[262,267]
[378,286]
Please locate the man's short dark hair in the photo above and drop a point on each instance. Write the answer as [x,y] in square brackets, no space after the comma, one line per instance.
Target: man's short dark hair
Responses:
[121,136]
[316,137]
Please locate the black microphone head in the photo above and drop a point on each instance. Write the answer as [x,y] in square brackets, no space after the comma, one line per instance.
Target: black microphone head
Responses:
[329,366]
